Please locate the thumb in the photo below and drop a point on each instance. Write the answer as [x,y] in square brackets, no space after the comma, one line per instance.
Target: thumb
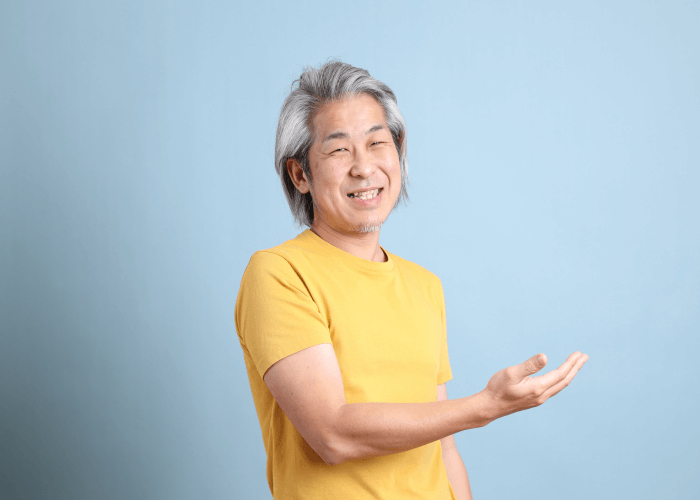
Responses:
[533,365]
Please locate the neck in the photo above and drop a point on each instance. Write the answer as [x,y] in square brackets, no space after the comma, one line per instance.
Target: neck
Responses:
[362,245]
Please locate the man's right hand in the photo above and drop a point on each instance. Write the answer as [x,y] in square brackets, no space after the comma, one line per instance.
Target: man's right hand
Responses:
[513,389]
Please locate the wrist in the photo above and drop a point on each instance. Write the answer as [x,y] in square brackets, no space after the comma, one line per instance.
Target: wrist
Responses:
[486,408]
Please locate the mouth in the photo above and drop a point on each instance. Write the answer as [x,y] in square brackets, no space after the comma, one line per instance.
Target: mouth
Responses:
[365,195]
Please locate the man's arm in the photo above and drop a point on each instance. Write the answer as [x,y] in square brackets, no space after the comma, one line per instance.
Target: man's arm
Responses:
[456,471]
[309,388]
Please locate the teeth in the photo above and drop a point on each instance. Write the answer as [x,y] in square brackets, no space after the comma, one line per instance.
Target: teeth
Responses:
[365,195]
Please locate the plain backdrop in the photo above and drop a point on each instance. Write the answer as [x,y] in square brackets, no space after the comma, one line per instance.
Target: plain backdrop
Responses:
[555,189]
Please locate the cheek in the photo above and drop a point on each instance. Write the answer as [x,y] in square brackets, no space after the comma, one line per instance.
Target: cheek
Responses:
[328,182]
[393,167]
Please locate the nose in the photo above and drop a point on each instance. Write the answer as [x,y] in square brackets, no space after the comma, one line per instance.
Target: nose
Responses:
[363,165]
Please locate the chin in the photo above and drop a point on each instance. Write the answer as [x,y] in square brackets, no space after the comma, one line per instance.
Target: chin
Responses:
[369,227]
[361,226]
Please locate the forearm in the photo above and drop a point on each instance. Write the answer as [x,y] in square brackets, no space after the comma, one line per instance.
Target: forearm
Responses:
[363,430]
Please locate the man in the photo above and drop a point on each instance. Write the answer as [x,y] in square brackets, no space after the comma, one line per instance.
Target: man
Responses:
[345,343]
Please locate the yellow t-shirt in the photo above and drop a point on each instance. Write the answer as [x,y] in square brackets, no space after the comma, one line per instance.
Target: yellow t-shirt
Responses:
[386,322]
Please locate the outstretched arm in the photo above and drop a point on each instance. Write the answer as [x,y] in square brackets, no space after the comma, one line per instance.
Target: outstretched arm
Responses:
[309,388]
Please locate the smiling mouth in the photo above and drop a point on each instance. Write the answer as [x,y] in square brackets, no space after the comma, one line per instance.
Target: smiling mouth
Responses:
[365,195]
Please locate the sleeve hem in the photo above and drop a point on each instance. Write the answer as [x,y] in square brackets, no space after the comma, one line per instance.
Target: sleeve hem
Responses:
[283,351]
[444,377]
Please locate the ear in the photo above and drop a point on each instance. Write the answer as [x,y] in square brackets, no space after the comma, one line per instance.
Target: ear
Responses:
[298,176]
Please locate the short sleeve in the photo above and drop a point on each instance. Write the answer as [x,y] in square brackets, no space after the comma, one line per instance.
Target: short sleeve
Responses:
[275,315]
[444,371]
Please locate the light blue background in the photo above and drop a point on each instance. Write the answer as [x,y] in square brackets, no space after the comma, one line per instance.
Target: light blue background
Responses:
[554,159]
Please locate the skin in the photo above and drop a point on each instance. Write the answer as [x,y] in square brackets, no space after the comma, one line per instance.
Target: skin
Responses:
[352,151]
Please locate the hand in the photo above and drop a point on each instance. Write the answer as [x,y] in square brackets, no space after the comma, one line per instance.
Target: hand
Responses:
[513,389]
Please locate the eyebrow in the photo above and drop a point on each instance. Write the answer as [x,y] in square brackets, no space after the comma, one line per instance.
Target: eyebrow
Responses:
[376,127]
[344,135]
[335,135]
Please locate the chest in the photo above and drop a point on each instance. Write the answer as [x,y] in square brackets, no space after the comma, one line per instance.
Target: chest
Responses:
[387,339]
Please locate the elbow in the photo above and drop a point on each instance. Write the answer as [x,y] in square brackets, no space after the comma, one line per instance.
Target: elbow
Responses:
[330,459]
[334,447]
[331,443]
[333,452]
[326,449]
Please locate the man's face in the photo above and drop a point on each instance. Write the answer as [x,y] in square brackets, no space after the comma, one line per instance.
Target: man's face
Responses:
[355,169]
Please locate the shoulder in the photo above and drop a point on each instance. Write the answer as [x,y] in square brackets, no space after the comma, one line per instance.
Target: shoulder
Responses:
[416,272]
[267,260]
[279,258]
[297,252]
[267,266]
[272,276]
[291,265]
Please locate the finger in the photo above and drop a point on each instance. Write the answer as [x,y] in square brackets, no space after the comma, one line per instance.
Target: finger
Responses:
[554,390]
[555,376]
[532,365]
[557,388]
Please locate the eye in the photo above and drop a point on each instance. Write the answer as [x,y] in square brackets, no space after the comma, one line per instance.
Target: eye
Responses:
[340,149]
[377,142]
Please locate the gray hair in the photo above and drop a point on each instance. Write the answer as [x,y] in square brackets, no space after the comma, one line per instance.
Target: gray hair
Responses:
[332,81]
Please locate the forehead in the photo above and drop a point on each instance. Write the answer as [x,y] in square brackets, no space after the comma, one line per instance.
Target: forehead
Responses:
[351,114]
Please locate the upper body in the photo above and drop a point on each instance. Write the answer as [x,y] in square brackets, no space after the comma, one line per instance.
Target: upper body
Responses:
[336,393]
[386,324]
